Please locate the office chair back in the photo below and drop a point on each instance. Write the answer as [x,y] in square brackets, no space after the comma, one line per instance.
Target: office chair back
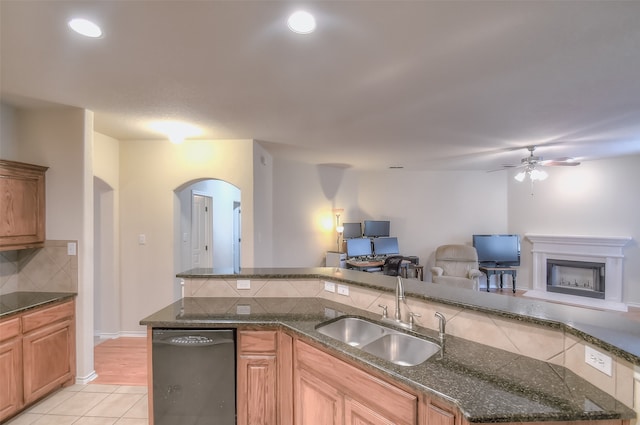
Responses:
[392,265]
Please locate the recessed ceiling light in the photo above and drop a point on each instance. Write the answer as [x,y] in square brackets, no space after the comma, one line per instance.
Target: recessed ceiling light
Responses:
[85,27]
[301,22]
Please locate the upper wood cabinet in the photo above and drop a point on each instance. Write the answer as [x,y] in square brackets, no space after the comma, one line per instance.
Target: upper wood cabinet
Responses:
[22,205]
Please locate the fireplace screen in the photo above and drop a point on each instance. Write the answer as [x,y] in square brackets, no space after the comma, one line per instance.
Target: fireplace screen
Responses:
[581,278]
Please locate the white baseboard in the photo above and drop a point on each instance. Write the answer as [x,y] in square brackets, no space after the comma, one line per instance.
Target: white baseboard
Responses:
[124,334]
[82,380]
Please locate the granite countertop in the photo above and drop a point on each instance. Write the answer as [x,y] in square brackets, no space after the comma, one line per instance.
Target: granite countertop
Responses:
[17,302]
[606,329]
[487,384]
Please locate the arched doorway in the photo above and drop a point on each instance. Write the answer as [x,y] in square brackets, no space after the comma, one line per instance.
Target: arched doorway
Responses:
[208,238]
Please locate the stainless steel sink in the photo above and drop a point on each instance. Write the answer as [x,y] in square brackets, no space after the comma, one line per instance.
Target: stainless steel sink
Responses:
[380,341]
[353,331]
[402,349]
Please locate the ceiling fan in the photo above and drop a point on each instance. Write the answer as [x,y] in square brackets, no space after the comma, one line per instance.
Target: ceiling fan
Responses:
[532,165]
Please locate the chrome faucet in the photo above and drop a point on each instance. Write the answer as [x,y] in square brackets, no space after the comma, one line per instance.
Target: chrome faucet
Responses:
[399,297]
[442,324]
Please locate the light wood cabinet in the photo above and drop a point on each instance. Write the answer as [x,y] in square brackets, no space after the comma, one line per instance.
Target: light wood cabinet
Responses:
[257,384]
[22,205]
[11,399]
[317,402]
[437,413]
[328,390]
[37,355]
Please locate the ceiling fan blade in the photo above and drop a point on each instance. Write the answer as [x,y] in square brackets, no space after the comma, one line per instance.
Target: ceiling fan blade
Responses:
[562,162]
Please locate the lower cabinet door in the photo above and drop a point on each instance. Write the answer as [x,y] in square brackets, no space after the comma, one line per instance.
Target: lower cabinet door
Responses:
[257,392]
[316,402]
[439,415]
[48,359]
[356,413]
[11,381]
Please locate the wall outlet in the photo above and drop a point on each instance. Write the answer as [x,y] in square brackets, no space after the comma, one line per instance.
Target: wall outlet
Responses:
[330,287]
[243,309]
[243,284]
[598,360]
[343,290]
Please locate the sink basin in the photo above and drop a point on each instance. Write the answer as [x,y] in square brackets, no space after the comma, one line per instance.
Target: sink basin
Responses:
[402,349]
[380,341]
[353,331]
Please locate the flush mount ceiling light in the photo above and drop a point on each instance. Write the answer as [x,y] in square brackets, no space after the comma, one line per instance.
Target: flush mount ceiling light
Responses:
[85,27]
[176,131]
[301,22]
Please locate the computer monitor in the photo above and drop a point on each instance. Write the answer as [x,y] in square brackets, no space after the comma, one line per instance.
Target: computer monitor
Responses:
[352,230]
[376,228]
[386,246]
[358,247]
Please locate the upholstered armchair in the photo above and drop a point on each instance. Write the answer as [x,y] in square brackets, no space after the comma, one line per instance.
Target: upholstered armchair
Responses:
[456,265]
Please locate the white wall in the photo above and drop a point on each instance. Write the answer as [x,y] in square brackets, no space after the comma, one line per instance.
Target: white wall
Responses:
[61,138]
[106,169]
[426,208]
[150,172]
[303,222]
[263,203]
[599,198]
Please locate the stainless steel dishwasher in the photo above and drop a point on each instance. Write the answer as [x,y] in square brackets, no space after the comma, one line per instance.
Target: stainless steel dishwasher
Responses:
[194,377]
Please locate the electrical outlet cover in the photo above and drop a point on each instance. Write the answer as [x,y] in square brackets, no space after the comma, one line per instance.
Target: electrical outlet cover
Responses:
[598,360]
[243,284]
[343,290]
[330,287]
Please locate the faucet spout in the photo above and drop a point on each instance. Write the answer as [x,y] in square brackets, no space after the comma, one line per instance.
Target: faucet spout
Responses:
[442,324]
[399,297]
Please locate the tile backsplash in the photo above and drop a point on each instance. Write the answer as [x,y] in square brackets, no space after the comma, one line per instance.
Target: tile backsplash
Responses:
[48,269]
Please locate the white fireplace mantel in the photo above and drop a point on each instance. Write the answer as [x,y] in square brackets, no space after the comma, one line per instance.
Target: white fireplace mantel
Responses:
[607,250]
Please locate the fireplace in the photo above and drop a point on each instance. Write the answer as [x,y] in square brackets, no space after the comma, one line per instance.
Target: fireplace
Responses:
[581,278]
[580,270]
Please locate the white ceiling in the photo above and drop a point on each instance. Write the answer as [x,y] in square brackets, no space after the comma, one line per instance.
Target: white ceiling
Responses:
[425,84]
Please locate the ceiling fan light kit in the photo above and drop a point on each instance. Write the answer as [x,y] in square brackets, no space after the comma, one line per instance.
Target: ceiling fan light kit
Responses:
[532,163]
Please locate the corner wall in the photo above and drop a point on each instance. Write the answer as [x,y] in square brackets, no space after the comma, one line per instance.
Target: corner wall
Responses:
[150,171]
[597,198]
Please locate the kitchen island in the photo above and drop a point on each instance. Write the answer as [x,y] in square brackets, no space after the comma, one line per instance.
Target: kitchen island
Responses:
[484,384]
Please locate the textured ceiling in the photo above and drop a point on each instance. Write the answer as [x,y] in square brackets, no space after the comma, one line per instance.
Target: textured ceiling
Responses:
[422,84]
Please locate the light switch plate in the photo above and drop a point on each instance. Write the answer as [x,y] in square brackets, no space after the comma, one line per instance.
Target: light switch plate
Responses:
[71,248]
[243,284]
[598,360]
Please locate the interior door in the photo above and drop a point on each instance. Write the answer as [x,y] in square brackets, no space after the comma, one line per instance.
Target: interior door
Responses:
[201,230]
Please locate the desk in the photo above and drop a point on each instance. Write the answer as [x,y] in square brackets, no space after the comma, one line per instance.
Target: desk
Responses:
[419,269]
[364,265]
[490,271]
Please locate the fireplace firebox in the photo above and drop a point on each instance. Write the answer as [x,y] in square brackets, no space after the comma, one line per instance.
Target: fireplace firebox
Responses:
[580,278]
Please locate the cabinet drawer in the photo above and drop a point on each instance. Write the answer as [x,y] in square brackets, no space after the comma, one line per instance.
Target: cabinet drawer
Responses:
[31,321]
[257,342]
[9,329]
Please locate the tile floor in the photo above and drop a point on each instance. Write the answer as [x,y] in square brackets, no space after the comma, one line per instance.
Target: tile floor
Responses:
[91,404]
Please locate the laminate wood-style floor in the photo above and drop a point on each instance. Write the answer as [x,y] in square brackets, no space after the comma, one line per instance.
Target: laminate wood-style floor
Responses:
[121,361]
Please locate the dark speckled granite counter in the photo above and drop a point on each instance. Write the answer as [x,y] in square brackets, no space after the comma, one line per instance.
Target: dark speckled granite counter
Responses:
[609,330]
[17,302]
[508,388]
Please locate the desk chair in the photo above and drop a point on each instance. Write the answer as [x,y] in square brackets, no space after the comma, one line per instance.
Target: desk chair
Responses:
[391,266]
[457,265]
